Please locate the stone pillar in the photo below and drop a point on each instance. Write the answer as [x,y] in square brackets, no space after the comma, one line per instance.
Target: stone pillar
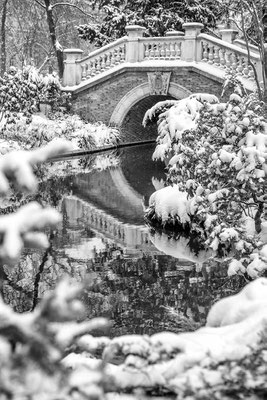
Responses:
[228,35]
[191,48]
[134,49]
[72,71]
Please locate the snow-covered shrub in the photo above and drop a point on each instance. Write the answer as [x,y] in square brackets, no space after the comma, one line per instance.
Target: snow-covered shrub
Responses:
[217,156]
[22,91]
[42,129]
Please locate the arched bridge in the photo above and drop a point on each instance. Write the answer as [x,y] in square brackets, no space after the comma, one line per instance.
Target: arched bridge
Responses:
[133,73]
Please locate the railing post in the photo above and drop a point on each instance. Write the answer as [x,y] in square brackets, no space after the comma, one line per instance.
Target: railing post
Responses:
[134,52]
[72,71]
[228,35]
[191,48]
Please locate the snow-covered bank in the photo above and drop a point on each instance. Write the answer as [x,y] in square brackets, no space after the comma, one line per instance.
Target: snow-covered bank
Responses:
[43,129]
[192,364]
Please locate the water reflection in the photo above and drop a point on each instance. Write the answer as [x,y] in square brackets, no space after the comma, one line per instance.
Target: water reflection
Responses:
[103,241]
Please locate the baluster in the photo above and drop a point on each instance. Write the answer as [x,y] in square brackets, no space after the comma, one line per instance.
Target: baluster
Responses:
[112,58]
[234,62]
[93,69]
[172,50]
[103,64]
[98,65]
[222,58]
[178,52]
[168,51]
[239,68]
[146,51]
[163,51]
[157,51]
[89,69]
[117,56]
[227,59]
[152,51]
[83,67]
[205,53]
[211,54]
[108,56]
[216,56]
[122,53]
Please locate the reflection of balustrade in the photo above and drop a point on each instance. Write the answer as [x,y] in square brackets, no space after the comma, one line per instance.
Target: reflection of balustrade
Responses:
[134,48]
[81,212]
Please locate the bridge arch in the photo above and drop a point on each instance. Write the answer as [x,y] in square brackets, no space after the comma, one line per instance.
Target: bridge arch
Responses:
[138,93]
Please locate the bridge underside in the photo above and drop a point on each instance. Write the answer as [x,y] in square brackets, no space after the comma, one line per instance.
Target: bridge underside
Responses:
[132,128]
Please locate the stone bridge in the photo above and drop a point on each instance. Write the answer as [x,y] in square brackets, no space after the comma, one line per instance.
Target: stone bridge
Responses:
[126,77]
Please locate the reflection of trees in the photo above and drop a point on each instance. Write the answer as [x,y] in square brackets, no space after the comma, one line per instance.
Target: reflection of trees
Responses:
[133,290]
[134,293]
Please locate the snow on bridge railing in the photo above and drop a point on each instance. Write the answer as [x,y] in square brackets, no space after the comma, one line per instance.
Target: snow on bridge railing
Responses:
[228,56]
[103,59]
[192,46]
[162,48]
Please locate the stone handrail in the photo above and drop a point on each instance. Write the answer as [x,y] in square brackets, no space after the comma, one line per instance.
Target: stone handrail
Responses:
[228,56]
[134,48]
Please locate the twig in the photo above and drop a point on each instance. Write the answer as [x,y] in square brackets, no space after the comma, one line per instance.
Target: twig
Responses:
[75,6]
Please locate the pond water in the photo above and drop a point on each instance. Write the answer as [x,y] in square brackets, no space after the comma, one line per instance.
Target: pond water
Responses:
[104,243]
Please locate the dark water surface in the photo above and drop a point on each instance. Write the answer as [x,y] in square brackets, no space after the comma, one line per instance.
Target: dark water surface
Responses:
[104,242]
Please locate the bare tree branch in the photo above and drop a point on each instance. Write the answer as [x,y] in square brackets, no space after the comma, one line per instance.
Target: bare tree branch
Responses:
[75,6]
[248,50]
[40,4]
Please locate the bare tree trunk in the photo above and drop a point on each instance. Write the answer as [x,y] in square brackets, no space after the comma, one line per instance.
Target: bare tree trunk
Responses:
[52,31]
[265,75]
[3,38]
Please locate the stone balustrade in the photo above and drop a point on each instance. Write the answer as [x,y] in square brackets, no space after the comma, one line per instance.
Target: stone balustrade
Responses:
[103,59]
[192,46]
[162,48]
[228,56]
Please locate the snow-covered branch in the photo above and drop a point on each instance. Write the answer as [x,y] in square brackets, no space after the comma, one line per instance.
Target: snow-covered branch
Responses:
[17,166]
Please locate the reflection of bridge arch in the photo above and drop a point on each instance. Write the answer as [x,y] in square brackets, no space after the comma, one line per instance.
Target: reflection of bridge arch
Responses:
[138,93]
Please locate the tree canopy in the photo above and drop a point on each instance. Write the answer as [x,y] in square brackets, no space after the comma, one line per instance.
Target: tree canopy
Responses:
[157,16]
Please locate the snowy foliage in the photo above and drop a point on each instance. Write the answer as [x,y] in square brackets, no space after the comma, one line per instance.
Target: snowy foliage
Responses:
[194,362]
[217,156]
[174,118]
[155,15]
[43,129]
[21,92]
[32,366]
